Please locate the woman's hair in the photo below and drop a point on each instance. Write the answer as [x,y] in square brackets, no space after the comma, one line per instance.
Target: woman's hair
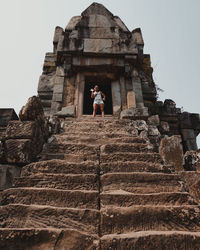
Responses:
[96,86]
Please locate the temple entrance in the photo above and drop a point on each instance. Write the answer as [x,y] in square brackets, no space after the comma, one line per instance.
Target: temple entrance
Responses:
[105,87]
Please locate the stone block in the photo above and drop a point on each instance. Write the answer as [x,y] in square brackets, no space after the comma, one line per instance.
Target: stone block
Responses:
[58,32]
[19,151]
[120,23]
[137,88]
[137,37]
[73,45]
[59,80]
[58,97]
[192,179]
[58,89]
[69,111]
[46,82]
[192,161]
[153,131]
[60,43]
[99,45]
[105,33]
[32,110]
[131,101]
[73,22]
[171,151]
[116,97]
[140,125]
[164,127]
[97,21]
[55,107]
[7,175]
[189,139]
[60,71]
[134,113]
[154,120]
[7,115]
[21,130]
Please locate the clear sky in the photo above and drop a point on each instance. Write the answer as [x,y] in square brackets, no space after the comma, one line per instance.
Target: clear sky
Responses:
[170,30]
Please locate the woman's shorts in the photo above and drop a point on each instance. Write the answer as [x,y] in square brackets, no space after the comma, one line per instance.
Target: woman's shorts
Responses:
[98,102]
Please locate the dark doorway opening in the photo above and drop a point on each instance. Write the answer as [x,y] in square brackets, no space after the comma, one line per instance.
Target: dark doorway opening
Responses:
[105,87]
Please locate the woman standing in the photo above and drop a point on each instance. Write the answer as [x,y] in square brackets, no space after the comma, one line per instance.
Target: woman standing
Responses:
[98,97]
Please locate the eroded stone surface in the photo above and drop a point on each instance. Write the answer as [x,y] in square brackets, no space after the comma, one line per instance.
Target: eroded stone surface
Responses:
[171,151]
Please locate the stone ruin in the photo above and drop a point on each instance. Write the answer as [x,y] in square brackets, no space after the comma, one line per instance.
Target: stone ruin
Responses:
[127,181]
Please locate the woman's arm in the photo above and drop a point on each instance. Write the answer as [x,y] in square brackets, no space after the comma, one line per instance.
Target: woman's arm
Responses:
[104,96]
[92,95]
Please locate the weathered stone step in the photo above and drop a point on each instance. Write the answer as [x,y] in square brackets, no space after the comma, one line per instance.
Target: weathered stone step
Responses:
[152,240]
[70,148]
[46,239]
[96,139]
[144,218]
[100,135]
[32,216]
[125,156]
[127,131]
[97,123]
[70,158]
[60,167]
[142,182]
[51,197]
[135,166]
[125,199]
[126,147]
[60,181]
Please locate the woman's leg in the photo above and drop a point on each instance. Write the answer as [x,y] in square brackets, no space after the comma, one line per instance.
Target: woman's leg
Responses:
[102,109]
[94,109]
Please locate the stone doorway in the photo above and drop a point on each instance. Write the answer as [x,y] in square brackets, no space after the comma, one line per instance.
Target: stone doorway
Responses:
[105,87]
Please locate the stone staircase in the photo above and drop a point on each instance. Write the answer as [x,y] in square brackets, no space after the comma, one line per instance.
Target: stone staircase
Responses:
[99,185]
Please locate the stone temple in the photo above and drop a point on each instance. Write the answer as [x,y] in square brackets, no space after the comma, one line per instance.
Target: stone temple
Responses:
[130,180]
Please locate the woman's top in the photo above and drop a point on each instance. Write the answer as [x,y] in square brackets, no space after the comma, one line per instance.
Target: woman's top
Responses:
[98,98]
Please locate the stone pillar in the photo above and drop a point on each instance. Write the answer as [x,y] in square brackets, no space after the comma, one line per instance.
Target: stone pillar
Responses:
[79,95]
[123,93]
[58,89]
[131,101]
[137,88]
[116,97]
[70,91]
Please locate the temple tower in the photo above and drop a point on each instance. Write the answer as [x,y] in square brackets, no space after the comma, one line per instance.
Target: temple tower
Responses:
[96,48]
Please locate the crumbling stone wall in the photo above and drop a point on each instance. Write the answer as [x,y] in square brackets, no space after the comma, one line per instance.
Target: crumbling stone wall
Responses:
[22,141]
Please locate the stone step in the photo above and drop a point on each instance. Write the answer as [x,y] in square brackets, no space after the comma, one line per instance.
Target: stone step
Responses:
[70,148]
[135,166]
[142,182]
[152,240]
[127,157]
[70,158]
[126,148]
[97,123]
[46,239]
[100,135]
[92,128]
[125,199]
[51,197]
[96,139]
[144,218]
[60,167]
[60,181]
[32,216]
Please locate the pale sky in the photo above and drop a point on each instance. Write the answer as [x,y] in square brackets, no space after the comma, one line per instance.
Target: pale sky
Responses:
[170,30]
